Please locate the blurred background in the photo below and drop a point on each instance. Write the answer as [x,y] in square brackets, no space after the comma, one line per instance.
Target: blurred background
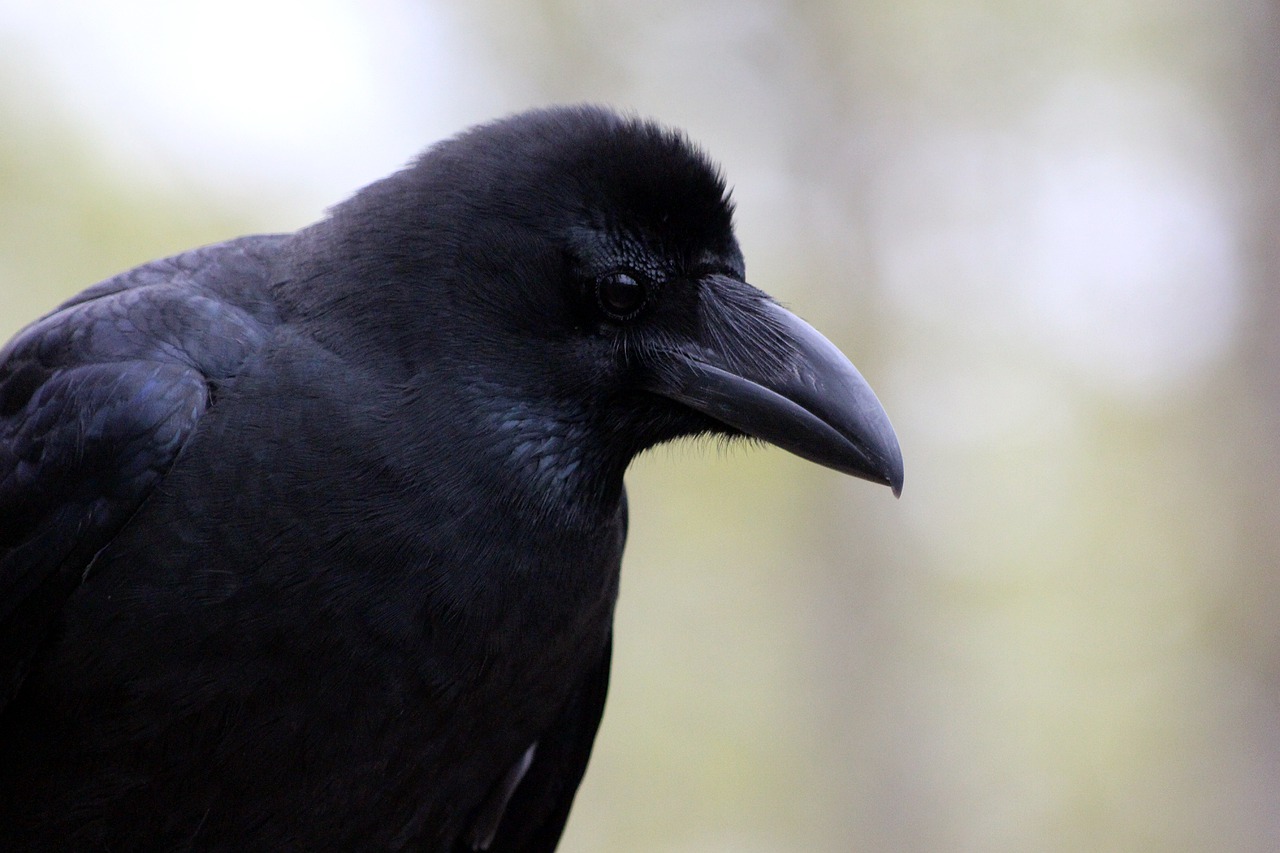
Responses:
[1045,231]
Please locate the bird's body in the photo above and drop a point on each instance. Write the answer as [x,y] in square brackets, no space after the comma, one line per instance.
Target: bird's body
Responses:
[312,541]
[433,639]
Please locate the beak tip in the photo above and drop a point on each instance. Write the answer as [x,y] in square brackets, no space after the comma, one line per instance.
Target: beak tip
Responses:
[887,453]
[897,476]
[894,476]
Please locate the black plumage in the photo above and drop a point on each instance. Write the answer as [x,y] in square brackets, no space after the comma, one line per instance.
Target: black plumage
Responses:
[312,541]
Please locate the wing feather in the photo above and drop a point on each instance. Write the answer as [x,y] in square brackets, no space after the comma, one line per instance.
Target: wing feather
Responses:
[97,400]
[535,815]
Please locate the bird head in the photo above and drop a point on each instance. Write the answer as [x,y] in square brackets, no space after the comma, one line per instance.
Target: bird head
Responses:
[582,268]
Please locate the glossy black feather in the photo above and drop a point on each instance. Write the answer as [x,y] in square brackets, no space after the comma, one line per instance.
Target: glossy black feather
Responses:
[96,401]
[354,521]
[312,541]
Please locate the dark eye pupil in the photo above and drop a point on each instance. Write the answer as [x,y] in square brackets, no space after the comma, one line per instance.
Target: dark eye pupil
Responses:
[620,295]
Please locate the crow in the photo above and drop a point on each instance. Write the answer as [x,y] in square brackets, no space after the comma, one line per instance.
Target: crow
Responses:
[312,541]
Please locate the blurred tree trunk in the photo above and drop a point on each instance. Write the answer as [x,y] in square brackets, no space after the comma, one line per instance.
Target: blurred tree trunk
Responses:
[1260,113]
[1254,640]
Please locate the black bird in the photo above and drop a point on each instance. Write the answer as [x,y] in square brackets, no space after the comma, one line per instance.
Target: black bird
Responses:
[311,541]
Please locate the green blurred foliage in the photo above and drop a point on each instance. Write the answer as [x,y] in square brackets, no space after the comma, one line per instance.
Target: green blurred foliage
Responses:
[67,219]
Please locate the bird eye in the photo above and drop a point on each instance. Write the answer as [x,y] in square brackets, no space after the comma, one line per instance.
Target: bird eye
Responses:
[621,295]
